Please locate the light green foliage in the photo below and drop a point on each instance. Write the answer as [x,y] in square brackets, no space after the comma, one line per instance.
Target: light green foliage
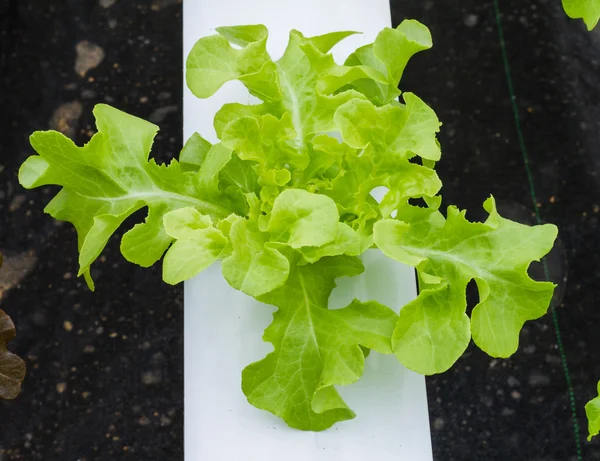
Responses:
[315,348]
[592,411]
[198,244]
[213,62]
[110,178]
[433,330]
[588,10]
[255,266]
[302,219]
[284,200]
[390,131]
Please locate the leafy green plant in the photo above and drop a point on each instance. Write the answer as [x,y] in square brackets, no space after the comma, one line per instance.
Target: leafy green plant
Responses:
[284,201]
[588,10]
[592,411]
[12,367]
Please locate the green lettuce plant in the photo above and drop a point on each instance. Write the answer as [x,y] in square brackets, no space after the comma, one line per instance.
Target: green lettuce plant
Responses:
[592,411]
[588,10]
[284,202]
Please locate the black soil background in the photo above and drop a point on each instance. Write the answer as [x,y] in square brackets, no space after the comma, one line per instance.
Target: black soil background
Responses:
[105,369]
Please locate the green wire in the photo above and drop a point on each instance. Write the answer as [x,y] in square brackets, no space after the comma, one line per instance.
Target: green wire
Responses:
[538,217]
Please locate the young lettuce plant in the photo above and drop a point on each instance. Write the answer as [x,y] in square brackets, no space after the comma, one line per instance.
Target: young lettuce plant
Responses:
[284,202]
[12,367]
[588,10]
[592,411]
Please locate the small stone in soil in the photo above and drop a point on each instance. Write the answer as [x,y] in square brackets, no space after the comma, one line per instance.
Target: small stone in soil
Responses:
[158,5]
[471,20]
[537,379]
[66,118]
[161,113]
[151,377]
[89,55]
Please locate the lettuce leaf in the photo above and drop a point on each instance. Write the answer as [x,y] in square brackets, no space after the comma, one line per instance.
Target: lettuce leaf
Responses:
[198,244]
[109,179]
[304,100]
[588,10]
[315,348]
[12,367]
[255,266]
[592,411]
[286,201]
[433,330]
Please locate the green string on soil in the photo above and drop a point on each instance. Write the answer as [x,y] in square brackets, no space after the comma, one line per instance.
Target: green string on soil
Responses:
[538,217]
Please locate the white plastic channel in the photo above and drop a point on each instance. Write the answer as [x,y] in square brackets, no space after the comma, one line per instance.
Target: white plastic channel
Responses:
[223,327]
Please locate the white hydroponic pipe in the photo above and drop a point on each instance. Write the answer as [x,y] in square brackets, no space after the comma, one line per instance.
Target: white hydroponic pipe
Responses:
[223,327]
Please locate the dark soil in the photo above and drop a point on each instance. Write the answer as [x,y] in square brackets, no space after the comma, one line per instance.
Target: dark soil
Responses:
[105,369]
[519,409]
[108,385]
